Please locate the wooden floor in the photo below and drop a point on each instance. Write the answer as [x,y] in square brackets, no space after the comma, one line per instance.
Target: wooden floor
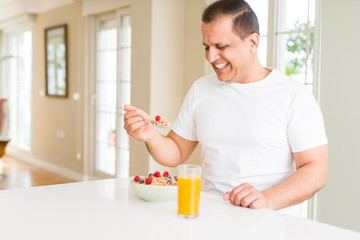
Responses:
[18,174]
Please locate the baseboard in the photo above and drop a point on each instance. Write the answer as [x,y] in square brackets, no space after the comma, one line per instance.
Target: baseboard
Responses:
[27,157]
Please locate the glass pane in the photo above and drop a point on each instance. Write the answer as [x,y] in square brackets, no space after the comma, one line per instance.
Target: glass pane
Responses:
[291,12]
[13,100]
[106,65]
[123,162]
[262,51]
[105,154]
[124,93]
[310,87]
[281,49]
[107,35]
[106,130]
[105,143]
[123,139]
[106,75]
[106,97]
[294,55]
[12,95]
[125,64]
[12,132]
[260,7]
[312,12]
[310,59]
[18,72]
[125,31]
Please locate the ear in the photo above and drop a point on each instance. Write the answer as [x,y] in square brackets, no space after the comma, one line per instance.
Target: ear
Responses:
[254,42]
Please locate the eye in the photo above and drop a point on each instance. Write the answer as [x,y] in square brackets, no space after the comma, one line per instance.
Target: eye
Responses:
[206,48]
[221,47]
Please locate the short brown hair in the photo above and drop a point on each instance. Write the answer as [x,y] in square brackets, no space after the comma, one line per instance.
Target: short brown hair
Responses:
[245,21]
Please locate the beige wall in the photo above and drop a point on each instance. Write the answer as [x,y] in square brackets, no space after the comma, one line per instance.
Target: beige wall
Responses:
[167,58]
[194,53]
[338,202]
[140,77]
[58,114]
[167,46]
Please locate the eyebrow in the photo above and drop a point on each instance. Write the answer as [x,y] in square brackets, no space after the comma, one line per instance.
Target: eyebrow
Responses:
[216,44]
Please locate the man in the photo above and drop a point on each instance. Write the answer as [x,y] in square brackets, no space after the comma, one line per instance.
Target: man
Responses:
[262,134]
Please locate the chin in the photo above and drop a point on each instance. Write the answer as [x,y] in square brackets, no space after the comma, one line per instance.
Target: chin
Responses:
[223,78]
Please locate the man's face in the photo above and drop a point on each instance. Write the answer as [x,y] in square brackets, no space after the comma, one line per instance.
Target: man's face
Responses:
[229,56]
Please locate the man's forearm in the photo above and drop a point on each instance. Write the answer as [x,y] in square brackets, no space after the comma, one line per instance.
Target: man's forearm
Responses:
[164,150]
[300,186]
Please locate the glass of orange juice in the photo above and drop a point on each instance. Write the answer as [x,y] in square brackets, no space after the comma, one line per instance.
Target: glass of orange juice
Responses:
[189,182]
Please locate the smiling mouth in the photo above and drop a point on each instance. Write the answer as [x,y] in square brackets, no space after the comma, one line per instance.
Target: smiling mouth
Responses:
[221,65]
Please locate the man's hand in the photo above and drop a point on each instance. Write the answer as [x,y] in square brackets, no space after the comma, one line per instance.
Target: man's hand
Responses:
[246,195]
[136,126]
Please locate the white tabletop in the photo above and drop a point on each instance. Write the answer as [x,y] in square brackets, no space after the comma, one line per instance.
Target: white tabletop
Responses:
[109,209]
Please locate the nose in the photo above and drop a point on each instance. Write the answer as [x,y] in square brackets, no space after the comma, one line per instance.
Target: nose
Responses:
[212,54]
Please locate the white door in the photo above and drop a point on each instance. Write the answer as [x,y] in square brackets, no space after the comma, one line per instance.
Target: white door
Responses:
[110,91]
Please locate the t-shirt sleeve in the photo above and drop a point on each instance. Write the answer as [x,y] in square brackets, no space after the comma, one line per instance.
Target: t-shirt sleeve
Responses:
[184,124]
[305,128]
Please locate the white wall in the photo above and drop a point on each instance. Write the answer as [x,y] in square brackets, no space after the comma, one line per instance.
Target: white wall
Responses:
[339,202]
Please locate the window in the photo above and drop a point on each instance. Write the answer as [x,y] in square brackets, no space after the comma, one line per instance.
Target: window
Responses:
[111,91]
[16,86]
[287,36]
[295,40]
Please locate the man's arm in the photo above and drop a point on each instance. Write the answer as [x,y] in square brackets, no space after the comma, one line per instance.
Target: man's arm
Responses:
[309,177]
[170,150]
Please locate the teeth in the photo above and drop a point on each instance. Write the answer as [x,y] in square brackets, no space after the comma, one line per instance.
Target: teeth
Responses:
[221,65]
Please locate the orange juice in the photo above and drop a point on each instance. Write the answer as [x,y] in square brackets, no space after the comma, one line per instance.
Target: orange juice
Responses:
[188,195]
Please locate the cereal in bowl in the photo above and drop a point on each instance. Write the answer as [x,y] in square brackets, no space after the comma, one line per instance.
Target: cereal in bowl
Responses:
[156,179]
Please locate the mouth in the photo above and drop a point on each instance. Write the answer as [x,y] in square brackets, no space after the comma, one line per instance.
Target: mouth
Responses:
[221,66]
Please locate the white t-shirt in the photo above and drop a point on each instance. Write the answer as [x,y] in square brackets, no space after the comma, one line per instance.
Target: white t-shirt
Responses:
[248,132]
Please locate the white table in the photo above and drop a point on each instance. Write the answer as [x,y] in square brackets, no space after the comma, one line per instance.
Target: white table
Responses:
[109,209]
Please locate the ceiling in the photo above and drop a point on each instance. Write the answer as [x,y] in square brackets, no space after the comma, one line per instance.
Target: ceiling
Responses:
[12,8]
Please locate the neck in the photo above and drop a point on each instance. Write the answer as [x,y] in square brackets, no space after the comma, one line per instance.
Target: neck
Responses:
[255,73]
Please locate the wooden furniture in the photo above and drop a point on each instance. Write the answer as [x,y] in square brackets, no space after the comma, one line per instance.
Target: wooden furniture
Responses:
[3,144]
